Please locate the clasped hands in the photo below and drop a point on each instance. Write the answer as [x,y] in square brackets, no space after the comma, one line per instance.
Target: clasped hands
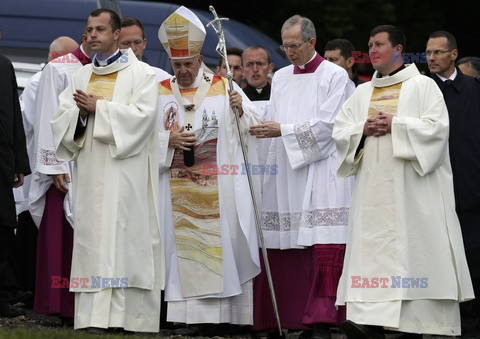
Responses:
[378,125]
[85,102]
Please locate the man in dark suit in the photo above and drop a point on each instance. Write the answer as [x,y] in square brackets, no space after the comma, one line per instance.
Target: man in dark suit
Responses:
[13,167]
[462,96]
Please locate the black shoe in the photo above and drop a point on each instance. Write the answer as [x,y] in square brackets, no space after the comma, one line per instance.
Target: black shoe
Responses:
[357,331]
[20,296]
[321,331]
[187,331]
[9,311]
[66,321]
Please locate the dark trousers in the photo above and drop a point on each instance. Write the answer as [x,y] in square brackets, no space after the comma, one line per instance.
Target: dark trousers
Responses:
[8,280]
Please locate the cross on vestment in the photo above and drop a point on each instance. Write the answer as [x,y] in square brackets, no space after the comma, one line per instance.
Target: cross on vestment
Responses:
[188,127]
[189,108]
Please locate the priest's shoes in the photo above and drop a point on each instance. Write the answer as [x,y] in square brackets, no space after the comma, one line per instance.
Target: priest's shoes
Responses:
[357,331]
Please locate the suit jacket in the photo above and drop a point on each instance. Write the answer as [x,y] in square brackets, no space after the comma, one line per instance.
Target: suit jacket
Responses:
[462,97]
[13,150]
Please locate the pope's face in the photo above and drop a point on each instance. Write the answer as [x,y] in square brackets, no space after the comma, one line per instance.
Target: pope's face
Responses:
[186,70]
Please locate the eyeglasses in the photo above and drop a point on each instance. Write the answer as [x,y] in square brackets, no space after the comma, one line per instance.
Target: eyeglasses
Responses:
[291,46]
[436,52]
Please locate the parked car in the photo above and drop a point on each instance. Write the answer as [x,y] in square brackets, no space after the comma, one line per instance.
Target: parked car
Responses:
[24,71]
[30,26]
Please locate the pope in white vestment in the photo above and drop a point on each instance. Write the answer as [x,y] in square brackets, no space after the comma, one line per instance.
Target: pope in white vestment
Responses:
[405,265]
[206,207]
[117,244]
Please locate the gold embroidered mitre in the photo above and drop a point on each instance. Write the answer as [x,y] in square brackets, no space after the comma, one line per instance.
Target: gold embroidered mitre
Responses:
[182,34]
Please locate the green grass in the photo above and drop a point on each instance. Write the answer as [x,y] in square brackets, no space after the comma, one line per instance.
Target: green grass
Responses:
[60,334]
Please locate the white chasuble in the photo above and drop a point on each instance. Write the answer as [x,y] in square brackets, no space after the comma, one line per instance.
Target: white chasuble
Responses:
[403,230]
[210,237]
[115,182]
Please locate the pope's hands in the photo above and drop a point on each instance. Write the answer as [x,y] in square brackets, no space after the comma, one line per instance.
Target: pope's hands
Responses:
[181,139]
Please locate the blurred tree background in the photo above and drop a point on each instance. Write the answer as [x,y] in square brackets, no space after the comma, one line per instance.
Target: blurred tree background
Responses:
[353,19]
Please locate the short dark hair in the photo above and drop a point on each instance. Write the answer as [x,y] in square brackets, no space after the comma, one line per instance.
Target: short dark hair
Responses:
[231,51]
[395,35]
[345,46]
[131,21]
[451,42]
[473,62]
[256,47]
[114,18]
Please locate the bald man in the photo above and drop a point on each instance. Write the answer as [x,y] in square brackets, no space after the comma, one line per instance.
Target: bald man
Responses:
[61,46]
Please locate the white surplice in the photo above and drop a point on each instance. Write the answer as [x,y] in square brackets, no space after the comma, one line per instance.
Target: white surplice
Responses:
[55,78]
[27,105]
[237,223]
[304,203]
[402,222]
[115,195]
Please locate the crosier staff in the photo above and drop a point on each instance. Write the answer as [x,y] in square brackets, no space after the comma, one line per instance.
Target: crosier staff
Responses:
[221,49]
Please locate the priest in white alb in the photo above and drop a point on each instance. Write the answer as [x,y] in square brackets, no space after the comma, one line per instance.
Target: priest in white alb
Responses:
[205,204]
[405,267]
[107,123]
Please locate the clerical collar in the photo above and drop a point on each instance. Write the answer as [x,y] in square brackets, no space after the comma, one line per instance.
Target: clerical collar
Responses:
[113,57]
[310,66]
[407,72]
[452,77]
[379,75]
